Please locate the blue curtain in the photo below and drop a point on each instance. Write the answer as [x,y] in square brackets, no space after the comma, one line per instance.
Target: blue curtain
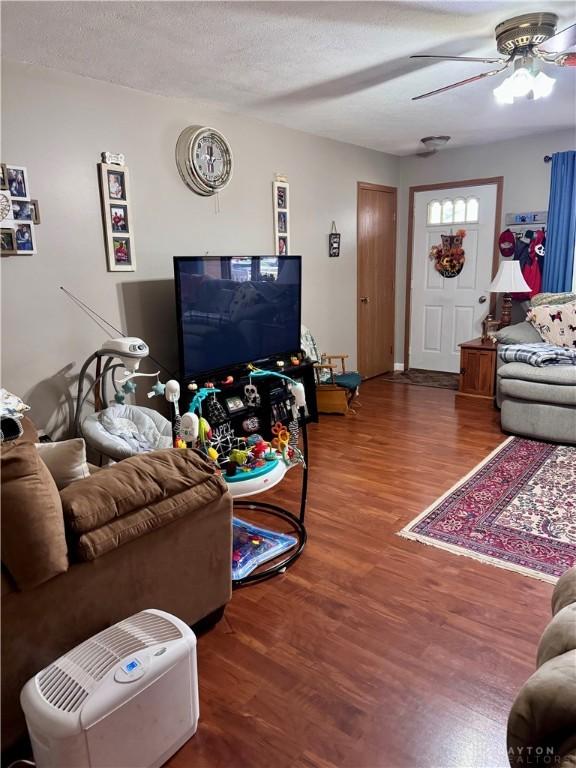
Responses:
[561,234]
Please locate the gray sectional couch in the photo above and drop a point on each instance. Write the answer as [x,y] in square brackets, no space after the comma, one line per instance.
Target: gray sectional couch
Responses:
[535,402]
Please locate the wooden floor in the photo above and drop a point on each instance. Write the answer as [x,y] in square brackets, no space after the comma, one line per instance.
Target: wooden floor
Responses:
[373,651]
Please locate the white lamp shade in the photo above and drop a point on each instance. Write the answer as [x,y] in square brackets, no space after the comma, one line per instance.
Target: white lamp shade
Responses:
[509,279]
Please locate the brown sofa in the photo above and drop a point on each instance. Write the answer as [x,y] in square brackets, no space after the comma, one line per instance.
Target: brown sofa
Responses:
[542,721]
[153,531]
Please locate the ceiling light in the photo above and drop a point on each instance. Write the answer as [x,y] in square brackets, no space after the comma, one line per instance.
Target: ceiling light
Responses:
[542,85]
[435,142]
[523,82]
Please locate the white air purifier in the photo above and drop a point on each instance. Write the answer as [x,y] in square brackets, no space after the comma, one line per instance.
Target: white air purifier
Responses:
[125,698]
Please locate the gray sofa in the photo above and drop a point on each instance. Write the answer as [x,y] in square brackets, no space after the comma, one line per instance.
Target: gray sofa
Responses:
[535,402]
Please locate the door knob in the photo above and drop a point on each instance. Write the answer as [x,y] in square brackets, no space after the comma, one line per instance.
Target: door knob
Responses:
[364,299]
[482,300]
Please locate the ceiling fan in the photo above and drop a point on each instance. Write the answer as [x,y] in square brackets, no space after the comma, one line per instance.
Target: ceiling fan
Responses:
[527,42]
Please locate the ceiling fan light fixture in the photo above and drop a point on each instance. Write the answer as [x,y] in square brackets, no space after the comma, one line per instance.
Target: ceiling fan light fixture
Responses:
[542,85]
[525,81]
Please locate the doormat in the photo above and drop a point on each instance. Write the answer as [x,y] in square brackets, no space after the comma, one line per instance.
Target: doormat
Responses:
[515,510]
[424,378]
[253,546]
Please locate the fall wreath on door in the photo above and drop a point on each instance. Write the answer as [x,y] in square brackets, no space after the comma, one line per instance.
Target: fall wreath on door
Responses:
[449,257]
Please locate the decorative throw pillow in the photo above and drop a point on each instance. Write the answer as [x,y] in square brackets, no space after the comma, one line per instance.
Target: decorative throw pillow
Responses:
[66,460]
[34,545]
[556,323]
[520,333]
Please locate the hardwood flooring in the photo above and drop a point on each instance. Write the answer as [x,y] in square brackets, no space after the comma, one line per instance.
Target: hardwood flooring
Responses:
[373,651]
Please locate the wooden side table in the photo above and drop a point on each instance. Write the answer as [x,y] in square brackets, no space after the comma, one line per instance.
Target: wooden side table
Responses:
[477,368]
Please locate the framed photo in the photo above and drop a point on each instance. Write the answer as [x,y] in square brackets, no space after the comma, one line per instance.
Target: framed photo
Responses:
[25,238]
[116,184]
[280,191]
[5,205]
[119,218]
[3,176]
[17,181]
[122,255]
[334,244]
[7,242]
[26,210]
[116,221]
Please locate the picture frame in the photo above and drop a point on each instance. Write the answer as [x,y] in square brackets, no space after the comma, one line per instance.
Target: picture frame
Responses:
[7,241]
[114,183]
[25,236]
[26,210]
[3,176]
[334,244]
[281,201]
[17,180]
[119,218]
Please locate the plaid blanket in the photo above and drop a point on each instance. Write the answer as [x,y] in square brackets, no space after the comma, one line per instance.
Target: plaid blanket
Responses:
[538,354]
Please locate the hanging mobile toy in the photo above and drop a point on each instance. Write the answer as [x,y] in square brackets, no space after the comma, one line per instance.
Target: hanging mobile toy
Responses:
[157,389]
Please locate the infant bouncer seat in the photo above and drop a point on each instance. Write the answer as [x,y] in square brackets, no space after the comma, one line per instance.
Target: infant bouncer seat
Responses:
[120,430]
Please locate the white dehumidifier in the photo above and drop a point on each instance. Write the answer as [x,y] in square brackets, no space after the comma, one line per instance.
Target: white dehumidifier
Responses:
[125,698]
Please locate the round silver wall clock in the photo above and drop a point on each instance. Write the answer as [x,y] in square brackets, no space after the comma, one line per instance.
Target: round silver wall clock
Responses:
[204,159]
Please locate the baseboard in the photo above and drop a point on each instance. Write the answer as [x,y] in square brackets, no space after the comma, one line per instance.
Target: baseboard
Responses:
[398,366]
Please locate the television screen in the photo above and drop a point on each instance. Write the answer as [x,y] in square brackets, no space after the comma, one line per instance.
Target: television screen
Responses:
[235,309]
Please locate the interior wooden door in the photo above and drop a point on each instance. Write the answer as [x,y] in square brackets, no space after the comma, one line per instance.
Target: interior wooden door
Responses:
[376,270]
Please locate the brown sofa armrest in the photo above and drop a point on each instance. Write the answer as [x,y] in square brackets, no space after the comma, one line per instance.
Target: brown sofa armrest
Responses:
[137,483]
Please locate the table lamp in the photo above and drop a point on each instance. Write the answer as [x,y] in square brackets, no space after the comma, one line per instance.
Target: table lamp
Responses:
[509,279]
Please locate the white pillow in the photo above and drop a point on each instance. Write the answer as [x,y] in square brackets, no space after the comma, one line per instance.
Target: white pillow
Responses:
[66,460]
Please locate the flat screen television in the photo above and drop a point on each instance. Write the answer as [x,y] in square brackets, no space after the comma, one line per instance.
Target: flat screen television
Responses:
[233,310]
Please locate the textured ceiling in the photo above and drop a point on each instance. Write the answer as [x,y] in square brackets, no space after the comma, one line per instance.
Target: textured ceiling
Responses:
[337,69]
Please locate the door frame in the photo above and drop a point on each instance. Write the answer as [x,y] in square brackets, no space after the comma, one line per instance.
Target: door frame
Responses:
[378,188]
[499,182]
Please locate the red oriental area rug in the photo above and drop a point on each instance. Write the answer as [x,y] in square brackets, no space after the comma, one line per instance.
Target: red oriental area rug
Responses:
[516,510]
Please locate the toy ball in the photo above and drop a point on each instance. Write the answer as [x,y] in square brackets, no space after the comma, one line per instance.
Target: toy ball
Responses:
[119,398]
[253,439]
[192,386]
[212,453]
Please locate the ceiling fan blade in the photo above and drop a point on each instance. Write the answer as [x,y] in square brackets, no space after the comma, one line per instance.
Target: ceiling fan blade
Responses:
[459,83]
[560,42]
[459,58]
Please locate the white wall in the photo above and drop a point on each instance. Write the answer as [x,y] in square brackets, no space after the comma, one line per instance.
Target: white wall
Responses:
[526,187]
[57,124]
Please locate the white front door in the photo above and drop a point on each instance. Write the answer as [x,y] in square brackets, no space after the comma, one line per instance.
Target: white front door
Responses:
[445,311]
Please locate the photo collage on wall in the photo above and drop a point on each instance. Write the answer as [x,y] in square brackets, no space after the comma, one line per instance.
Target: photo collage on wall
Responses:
[281,192]
[116,220]
[19,213]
